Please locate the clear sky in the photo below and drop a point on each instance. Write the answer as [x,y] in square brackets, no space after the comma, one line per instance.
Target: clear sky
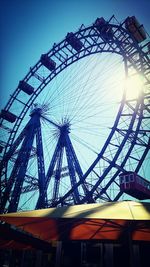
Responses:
[29,28]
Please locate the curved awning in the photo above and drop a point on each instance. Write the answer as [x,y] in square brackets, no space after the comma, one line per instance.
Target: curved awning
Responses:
[105,221]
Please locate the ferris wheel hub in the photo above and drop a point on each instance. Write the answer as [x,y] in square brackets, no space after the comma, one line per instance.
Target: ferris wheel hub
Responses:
[36,109]
[65,128]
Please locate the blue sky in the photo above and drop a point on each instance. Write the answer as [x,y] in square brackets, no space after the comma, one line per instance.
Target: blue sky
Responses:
[30,27]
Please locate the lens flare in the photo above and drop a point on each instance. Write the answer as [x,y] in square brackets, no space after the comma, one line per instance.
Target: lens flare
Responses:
[134,87]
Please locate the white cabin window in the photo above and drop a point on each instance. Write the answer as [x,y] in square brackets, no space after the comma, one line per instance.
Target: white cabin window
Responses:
[131,178]
[127,178]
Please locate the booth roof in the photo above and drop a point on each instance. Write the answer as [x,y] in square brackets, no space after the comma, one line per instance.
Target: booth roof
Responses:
[105,221]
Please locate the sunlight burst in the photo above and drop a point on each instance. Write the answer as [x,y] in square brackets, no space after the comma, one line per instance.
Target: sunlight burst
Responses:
[134,87]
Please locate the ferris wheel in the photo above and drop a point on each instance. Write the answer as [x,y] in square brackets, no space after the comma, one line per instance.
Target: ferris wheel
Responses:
[78,119]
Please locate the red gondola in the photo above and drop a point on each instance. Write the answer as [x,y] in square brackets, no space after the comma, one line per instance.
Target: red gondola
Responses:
[134,27]
[48,62]
[134,185]
[7,115]
[104,29]
[74,41]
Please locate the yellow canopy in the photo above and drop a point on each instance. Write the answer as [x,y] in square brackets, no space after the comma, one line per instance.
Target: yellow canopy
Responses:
[89,221]
[127,210]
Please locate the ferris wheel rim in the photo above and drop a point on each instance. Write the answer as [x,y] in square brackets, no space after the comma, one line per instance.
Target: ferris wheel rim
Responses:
[44,83]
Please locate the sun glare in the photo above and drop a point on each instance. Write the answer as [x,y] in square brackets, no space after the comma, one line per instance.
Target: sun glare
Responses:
[134,87]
